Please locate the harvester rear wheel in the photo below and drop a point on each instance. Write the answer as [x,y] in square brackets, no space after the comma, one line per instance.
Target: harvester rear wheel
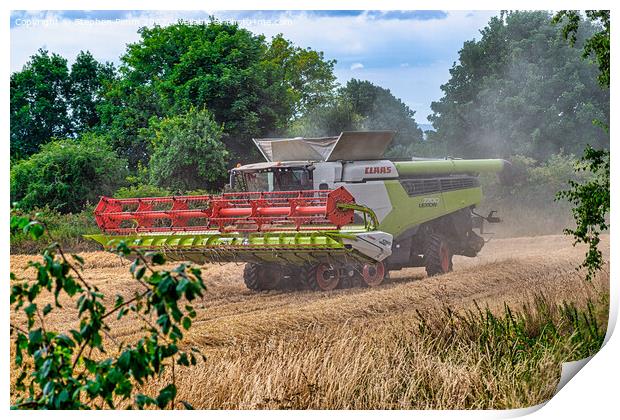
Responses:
[321,277]
[262,276]
[437,256]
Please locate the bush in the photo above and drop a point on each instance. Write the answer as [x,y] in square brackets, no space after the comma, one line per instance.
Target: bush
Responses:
[67,174]
[141,190]
[67,229]
[188,153]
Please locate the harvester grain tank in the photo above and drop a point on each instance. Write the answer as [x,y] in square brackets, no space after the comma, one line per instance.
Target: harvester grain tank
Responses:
[319,213]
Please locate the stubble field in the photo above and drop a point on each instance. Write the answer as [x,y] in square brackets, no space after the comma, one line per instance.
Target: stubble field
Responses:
[414,342]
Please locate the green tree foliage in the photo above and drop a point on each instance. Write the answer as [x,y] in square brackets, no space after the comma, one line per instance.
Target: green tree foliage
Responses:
[88,80]
[592,197]
[67,174]
[48,101]
[381,110]
[141,191]
[73,369]
[251,86]
[361,105]
[188,153]
[39,103]
[597,45]
[591,206]
[308,77]
[327,120]
[520,90]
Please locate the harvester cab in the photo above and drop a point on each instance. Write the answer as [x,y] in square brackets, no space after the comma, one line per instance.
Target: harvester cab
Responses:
[319,213]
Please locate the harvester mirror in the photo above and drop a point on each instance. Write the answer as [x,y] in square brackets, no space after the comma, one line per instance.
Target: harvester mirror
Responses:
[492,218]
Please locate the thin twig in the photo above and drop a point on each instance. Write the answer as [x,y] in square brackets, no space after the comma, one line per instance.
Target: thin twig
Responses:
[15,327]
[111,311]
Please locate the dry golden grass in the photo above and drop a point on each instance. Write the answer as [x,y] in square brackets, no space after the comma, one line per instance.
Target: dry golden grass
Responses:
[361,348]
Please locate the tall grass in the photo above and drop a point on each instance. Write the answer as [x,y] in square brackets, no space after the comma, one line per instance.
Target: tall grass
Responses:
[443,359]
[67,229]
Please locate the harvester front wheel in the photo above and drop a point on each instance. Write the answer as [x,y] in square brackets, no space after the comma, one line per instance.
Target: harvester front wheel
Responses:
[262,276]
[373,274]
[438,256]
[322,276]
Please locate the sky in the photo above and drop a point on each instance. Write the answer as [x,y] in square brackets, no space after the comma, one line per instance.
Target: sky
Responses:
[409,52]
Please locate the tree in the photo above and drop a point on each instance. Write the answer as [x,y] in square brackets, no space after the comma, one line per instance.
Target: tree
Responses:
[252,87]
[49,102]
[39,103]
[308,77]
[67,174]
[591,198]
[520,90]
[361,105]
[87,82]
[597,45]
[326,120]
[381,110]
[188,153]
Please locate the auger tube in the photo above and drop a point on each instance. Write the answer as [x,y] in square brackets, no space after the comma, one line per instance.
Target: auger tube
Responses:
[449,167]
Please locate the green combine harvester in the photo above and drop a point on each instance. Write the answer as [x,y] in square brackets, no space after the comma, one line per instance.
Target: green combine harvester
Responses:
[320,213]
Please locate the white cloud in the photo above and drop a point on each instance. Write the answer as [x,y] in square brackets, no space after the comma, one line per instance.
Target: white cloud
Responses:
[357,66]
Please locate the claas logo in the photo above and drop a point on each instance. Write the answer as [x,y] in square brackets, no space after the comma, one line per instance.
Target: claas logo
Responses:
[378,170]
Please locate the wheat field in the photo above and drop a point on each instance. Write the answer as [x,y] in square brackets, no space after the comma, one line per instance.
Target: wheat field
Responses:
[362,348]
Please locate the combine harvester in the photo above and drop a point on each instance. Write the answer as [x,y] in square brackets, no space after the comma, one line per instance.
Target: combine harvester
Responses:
[320,213]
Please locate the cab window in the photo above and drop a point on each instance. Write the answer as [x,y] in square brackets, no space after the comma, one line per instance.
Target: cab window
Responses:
[278,179]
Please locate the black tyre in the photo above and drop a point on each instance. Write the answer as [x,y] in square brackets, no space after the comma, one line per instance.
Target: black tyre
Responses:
[437,255]
[321,277]
[262,276]
[292,279]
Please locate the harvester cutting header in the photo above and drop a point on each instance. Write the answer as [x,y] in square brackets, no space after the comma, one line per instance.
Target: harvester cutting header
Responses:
[320,213]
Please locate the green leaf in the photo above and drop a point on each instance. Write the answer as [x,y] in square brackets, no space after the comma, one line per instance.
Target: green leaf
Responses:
[62,398]
[158,259]
[144,400]
[30,309]
[124,360]
[45,369]
[183,360]
[166,395]
[64,340]
[78,258]
[140,273]
[35,229]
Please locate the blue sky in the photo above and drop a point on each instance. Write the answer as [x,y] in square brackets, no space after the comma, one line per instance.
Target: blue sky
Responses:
[409,52]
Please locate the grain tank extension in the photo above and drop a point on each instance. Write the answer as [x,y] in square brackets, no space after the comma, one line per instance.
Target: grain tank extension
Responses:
[319,213]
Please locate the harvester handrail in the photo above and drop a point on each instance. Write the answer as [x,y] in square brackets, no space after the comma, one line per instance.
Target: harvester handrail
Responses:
[366,211]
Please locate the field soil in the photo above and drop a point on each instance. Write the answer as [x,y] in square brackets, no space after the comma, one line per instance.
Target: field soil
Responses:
[355,348]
